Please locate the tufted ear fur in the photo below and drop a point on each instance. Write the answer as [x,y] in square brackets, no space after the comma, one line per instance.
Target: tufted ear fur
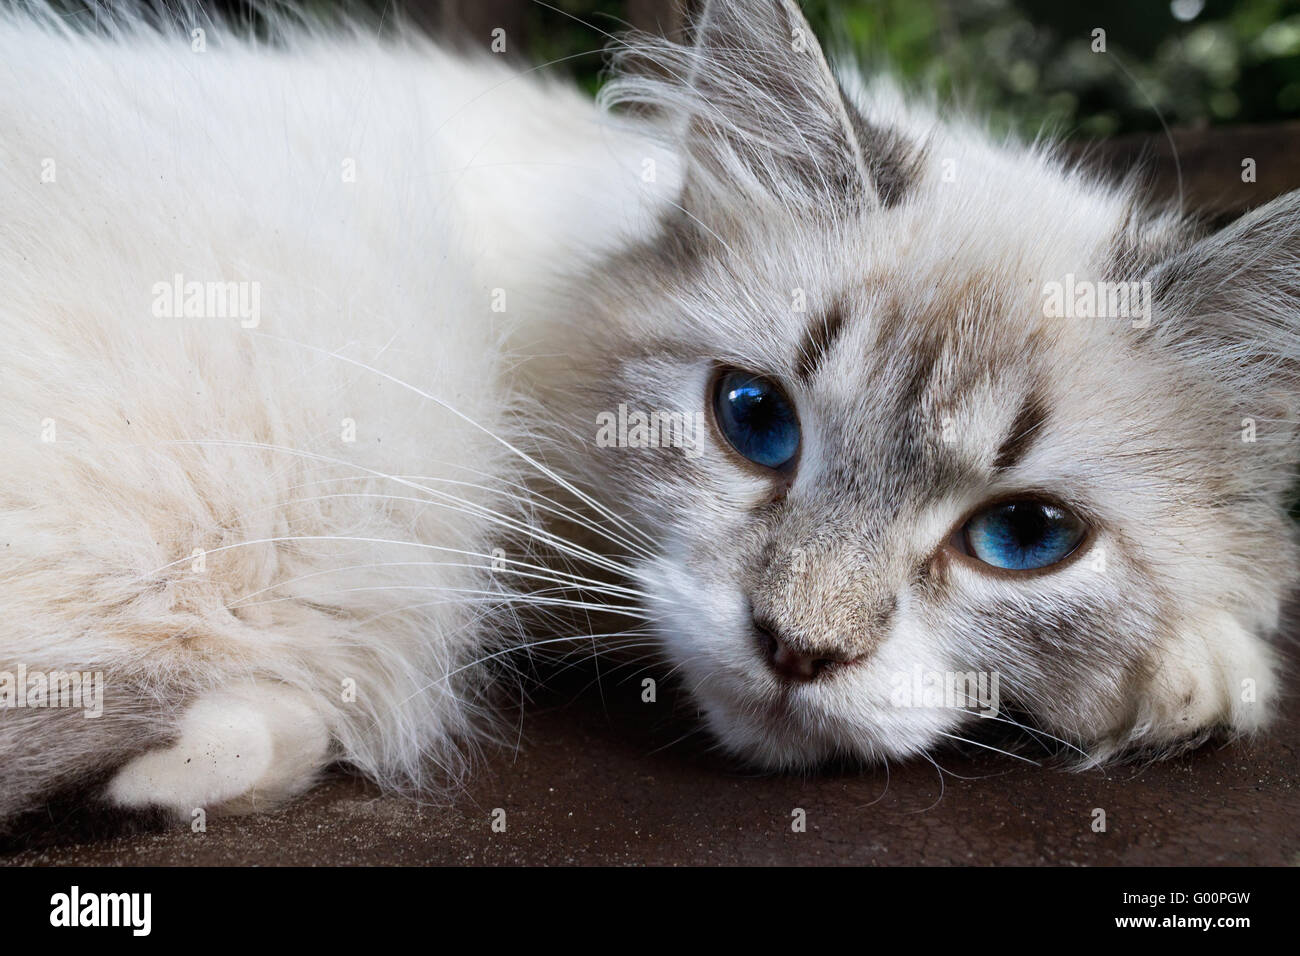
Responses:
[1229,305]
[1237,293]
[761,118]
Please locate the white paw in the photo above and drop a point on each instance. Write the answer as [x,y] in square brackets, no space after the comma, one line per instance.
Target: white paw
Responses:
[240,749]
[1217,675]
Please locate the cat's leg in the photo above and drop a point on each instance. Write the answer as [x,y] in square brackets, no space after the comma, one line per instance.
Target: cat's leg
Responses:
[240,749]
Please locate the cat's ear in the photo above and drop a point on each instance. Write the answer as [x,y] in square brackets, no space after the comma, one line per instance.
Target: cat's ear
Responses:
[762,119]
[1230,304]
[769,115]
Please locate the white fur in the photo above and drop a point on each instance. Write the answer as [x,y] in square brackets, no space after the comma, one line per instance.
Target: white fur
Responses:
[351,574]
[240,748]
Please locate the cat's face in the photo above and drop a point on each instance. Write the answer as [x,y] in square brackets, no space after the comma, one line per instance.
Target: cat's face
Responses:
[920,494]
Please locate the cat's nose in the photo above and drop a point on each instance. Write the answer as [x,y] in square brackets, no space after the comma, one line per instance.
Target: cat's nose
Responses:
[790,662]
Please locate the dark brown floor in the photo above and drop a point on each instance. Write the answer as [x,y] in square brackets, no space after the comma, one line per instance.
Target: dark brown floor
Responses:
[600,783]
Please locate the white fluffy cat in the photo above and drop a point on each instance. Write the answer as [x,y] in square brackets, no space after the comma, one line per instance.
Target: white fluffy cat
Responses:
[283,325]
[265,517]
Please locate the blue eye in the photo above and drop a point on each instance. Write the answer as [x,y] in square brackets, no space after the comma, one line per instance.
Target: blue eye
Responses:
[757,418]
[1023,535]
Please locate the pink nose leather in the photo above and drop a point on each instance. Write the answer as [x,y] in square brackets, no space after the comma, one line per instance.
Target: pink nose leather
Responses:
[790,663]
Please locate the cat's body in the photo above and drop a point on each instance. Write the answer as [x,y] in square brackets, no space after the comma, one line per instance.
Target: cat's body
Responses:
[277,539]
[371,200]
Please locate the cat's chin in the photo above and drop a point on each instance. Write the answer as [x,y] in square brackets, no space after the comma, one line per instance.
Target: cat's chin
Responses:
[768,724]
[797,732]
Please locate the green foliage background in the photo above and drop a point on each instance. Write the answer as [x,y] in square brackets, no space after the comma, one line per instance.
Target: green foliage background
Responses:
[1023,64]
[1027,63]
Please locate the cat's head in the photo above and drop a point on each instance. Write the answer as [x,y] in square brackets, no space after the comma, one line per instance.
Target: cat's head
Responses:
[930,480]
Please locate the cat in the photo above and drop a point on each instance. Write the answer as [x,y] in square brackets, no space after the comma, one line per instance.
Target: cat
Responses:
[336,369]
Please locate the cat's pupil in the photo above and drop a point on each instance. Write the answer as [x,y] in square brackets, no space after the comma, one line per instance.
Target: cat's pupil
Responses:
[750,408]
[1027,525]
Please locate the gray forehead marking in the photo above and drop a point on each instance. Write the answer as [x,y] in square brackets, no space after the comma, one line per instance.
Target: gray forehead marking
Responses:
[822,333]
[893,162]
[1024,430]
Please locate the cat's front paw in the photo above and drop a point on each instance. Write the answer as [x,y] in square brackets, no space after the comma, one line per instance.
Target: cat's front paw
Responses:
[241,749]
[1215,676]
